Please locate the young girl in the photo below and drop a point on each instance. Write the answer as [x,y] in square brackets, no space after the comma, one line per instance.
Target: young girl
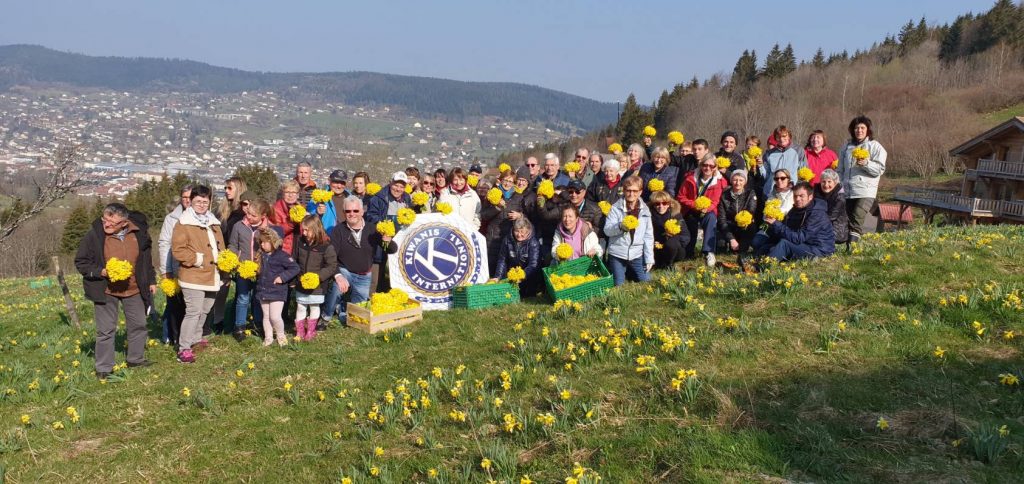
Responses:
[315,255]
[276,269]
[244,242]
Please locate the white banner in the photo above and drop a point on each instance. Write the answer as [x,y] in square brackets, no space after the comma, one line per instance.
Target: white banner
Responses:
[435,254]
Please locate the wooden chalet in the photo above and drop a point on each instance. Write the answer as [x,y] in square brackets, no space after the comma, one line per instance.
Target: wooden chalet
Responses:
[993,186]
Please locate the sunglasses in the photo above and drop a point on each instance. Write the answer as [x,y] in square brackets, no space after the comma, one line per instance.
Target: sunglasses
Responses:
[780,178]
[531,165]
[428,184]
[353,211]
[631,190]
[576,191]
[581,157]
[709,166]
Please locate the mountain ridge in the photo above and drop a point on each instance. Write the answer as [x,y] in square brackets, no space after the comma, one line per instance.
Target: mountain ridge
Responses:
[25,64]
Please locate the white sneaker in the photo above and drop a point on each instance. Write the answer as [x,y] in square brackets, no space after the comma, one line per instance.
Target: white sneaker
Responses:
[709,259]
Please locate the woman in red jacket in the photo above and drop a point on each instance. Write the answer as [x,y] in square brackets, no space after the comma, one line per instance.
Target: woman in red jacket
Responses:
[819,156]
[282,218]
[704,182]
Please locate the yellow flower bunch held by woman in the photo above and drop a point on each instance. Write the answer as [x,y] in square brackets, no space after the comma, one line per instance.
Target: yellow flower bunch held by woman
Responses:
[752,154]
[605,207]
[650,132]
[563,251]
[227,261]
[372,188]
[744,219]
[443,207]
[495,196]
[545,192]
[702,203]
[516,274]
[860,154]
[672,227]
[630,222]
[805,174]
[655,185]
[297,213]
[420,200]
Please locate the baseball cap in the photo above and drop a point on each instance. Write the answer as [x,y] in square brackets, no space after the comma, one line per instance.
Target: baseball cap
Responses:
[476,168]
[576,185]
[339,176]
[399,176]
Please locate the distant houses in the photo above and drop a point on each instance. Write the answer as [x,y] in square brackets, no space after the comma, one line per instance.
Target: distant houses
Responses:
[992,190]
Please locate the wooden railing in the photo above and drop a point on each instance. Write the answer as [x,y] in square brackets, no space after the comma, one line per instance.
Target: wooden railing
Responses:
[976,207]
[1011,168]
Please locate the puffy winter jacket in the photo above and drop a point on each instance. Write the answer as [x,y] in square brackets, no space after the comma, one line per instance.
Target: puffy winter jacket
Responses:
[809,226]
[668,174]
[319,259]
[862,181]
[275,264]
[836,200]
[525,254]
[628,246]
[689,192]
[732,204]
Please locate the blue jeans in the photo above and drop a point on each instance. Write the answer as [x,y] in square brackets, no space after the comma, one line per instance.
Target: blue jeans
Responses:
[708,223]
[619,268]
[358,291]
[244,291]
[330,304]
[785,250]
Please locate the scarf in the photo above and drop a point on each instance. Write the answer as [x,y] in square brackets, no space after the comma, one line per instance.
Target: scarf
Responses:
[507,194]
[612,184]
[574,238]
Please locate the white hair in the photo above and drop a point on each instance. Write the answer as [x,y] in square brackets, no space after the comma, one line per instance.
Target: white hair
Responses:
[551,156]
[610,163]
[353,200]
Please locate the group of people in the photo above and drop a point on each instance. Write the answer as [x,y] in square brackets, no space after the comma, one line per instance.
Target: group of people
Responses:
[639,210]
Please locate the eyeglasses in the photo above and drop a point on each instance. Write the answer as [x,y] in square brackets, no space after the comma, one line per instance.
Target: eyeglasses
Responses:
[531,165]
[353,211]
[781,178]
[708,166]
[291,193]
[428,184]
[581,157]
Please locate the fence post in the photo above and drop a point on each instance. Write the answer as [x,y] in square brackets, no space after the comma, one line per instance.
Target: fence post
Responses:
[69,303]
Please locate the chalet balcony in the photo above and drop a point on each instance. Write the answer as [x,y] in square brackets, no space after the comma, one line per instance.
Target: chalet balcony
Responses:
[1001,169]
[951,202]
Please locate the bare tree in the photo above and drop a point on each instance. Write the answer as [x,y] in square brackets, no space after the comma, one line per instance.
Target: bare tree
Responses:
[63,180]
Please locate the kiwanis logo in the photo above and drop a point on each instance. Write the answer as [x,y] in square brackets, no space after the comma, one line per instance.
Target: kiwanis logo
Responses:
[435,258]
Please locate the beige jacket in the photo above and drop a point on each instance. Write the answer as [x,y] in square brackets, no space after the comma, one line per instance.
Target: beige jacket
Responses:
[196,246]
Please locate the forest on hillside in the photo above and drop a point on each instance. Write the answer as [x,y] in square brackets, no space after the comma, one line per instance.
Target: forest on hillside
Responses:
[927,89]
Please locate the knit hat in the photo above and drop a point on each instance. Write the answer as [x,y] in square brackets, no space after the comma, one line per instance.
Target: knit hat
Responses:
[740,172]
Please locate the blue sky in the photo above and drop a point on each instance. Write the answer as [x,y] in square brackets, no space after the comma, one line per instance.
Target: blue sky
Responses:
[598,49]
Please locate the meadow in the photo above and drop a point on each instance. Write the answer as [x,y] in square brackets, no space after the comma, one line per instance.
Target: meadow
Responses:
[900,361]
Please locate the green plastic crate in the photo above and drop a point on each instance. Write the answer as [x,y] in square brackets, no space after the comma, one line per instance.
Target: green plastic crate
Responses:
[485,295]
[579,267]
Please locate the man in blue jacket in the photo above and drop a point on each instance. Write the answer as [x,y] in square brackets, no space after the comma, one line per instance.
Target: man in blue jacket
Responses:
[805,233]
[385,206]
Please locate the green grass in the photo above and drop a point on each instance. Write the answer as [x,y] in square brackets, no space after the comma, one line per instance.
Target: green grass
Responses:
[1004,114]
[785,393]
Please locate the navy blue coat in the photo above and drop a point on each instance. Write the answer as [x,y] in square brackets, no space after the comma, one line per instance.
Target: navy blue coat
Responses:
[668,174]
[808,226]
[377,210]
[523,254]
[273,265]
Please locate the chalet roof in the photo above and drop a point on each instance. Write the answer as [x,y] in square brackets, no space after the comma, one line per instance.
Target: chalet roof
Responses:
[1016,122]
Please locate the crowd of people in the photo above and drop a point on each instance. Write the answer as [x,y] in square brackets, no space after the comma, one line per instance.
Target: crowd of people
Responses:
[639,209]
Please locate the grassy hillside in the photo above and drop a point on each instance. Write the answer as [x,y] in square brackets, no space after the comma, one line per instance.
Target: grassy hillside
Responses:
[823,371]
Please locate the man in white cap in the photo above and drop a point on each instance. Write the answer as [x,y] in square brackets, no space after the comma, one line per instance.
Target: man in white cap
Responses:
[385,205]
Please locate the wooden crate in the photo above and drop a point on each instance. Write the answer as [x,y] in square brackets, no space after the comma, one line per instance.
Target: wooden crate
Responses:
[361,318]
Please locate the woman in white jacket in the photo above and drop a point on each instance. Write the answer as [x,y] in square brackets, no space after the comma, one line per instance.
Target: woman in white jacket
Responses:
[630,250]
[577,234]
[860,174]
[464,200]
